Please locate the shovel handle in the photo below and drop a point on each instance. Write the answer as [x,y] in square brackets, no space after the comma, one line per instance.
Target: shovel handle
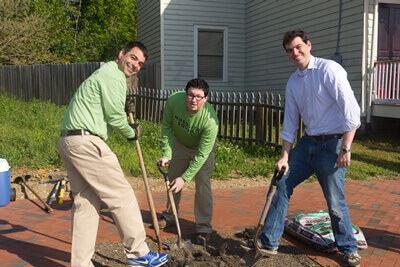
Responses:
[147,188]
[47,208]
[175,213]
[270,195]
[171,201]
[163,170]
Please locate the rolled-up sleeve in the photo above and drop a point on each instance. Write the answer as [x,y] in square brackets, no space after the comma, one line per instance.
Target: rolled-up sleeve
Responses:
[340,89]
[292,116]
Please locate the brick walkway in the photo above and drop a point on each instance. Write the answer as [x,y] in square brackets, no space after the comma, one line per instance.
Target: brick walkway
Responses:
[30,237]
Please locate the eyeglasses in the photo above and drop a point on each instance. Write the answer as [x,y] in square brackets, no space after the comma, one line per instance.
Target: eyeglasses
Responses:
[196,97]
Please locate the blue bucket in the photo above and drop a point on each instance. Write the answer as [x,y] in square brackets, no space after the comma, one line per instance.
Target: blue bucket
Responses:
[5,185]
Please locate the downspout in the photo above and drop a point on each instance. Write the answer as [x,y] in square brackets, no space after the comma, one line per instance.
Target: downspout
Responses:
[162,62]
[364,63]
[337,56]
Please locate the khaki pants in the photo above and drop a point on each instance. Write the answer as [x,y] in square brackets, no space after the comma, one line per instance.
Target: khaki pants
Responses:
[203,202]
[95,176]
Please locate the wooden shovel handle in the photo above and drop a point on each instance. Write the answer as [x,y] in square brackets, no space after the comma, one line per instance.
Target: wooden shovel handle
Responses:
[147,187]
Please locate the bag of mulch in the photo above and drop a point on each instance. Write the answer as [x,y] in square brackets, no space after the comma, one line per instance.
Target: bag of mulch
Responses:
[315,229]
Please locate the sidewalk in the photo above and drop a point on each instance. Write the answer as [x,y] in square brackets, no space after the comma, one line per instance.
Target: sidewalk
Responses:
[31,237]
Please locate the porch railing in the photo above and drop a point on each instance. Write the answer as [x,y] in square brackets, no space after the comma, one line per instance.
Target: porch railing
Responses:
[387,80]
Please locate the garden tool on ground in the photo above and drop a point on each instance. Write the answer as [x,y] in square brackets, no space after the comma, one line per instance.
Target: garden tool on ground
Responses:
[270,195]
[180,244]
[147,187]
[53,193]
[22,181]
[61,191]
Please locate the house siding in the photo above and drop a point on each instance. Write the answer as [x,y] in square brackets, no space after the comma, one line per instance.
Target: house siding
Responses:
[148,17]
[179,19]
[267,65]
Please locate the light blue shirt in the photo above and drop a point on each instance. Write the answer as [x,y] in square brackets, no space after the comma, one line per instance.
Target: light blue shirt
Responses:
[322,96]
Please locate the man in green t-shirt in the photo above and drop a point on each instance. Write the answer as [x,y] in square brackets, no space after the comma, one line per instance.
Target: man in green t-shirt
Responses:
[95,176]
[188,134]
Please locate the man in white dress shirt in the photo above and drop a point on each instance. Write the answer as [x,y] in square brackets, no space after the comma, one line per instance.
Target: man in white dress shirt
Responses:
[318,92]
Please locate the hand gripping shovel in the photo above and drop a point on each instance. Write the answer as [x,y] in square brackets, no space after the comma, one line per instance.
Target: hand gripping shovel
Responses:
[180,244]
[270,195]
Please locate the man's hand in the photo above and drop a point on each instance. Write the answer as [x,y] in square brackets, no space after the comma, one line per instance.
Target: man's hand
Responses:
[177,185]
[343,159]
[136,129]
[282,163]
[163,162]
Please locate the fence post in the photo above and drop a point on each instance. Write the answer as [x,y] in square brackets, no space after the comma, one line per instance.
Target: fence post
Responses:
[259,119]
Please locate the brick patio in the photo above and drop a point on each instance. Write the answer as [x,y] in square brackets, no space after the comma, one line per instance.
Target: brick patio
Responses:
[31,237]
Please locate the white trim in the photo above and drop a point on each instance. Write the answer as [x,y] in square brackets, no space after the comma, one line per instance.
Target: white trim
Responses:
[372,59]
[224,29]
[163,6]
[364,61]
[389,1]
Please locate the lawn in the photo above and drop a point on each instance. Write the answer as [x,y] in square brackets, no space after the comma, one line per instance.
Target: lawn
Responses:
[29,132]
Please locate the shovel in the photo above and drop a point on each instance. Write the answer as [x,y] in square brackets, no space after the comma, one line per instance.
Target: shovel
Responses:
[270,195]
[180,244]
[148,190]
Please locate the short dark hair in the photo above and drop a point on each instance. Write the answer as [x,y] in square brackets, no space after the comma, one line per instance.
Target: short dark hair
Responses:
[198,83]
[290,35]
[140,45]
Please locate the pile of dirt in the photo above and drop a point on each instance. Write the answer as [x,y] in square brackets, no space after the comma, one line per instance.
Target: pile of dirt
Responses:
[221,250]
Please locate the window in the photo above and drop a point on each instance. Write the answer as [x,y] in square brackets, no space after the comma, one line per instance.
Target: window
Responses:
[389,32]
[210,55]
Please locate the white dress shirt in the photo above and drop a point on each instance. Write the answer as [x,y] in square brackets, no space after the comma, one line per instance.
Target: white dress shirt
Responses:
[322,96]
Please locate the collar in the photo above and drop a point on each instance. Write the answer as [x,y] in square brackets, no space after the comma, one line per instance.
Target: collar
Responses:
[311,65]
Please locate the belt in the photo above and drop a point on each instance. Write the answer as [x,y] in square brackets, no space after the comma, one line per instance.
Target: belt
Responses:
[77,132]
[323,137]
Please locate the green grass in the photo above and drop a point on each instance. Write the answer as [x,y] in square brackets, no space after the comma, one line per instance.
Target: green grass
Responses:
[375,156]
[29,132]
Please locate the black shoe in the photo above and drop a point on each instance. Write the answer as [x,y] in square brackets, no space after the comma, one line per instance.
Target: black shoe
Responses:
[163,223]
[201,239]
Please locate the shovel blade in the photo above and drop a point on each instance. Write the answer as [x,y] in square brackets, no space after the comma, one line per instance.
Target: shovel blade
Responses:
[252,257]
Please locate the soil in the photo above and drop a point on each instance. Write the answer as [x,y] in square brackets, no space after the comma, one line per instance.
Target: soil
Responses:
[220,251]
[223,249]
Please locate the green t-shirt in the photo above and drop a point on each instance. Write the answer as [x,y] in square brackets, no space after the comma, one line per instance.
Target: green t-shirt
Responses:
[98,105]
[197,131]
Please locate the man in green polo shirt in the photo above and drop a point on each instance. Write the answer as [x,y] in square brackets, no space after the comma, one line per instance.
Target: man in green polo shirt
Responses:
[189,131]
[95,175]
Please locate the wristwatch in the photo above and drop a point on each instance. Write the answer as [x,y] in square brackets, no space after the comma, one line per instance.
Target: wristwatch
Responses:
[345,149]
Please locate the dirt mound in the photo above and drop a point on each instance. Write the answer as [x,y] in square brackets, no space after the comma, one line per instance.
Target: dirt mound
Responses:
[219,251]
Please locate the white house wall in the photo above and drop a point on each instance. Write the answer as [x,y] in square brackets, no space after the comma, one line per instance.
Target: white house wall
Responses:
[267,66]
[179,20]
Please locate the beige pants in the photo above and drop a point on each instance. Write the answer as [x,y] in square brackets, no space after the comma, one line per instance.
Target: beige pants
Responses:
[95,176]
[203,202]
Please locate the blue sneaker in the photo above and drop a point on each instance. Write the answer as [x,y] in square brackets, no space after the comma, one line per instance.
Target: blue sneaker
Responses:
[151,259]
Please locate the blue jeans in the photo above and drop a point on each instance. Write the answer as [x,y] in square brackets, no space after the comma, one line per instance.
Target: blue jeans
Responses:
[312,157]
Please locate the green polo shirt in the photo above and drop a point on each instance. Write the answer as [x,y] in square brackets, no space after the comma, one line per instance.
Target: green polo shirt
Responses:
[196,131]
[98,105]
